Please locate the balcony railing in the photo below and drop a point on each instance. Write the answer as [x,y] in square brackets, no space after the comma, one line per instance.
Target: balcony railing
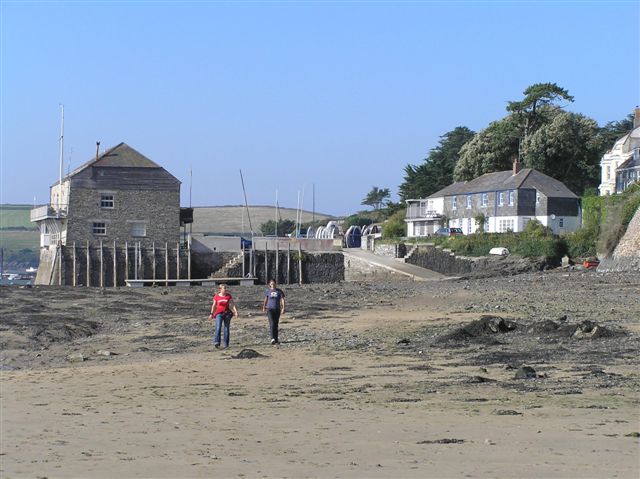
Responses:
[48,211]
[422,214]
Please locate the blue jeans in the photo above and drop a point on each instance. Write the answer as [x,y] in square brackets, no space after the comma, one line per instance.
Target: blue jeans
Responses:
[221,319]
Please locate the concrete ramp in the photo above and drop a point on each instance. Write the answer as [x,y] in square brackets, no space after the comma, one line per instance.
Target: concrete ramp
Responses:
[356,258]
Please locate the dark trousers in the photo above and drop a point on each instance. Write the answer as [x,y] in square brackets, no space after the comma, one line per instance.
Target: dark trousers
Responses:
[274,319]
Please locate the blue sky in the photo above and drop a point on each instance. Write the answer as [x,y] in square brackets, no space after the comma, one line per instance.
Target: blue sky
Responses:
[340,95]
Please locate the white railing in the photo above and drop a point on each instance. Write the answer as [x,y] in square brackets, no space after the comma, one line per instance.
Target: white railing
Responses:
[412,214]
[48,211]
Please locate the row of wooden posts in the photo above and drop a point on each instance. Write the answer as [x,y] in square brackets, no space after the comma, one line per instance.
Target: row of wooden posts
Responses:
[137,261]
[252,264]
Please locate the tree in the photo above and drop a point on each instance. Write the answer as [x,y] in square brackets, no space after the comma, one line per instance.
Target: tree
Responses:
[568,148]
[539,101]
[495,148]
[436,170]
[268,228]
[492,149]
[376,197]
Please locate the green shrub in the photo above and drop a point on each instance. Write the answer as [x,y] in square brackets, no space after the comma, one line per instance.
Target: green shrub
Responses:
[394,227]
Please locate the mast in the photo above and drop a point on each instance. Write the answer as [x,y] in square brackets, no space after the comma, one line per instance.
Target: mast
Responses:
[61,156]
[244,191]
[276,214]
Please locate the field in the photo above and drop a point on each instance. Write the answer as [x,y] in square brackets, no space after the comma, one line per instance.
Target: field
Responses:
[233,219]
[16,216]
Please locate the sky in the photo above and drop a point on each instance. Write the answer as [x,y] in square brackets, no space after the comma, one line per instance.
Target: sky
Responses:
[301,96]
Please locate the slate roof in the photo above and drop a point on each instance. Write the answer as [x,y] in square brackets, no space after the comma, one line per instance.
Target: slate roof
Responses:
[125,168]
[506,180]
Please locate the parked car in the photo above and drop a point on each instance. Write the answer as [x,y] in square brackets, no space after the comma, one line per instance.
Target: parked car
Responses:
[449,232]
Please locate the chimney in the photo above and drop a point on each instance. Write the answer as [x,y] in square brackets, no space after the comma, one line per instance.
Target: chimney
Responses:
[636,118]
[97,149]
[516,166]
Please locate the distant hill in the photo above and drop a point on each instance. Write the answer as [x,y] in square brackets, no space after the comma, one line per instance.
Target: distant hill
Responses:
[233,219]
[19,237]
[16,217]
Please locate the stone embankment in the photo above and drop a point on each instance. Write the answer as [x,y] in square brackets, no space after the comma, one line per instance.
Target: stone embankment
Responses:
[448,263]
[626,256]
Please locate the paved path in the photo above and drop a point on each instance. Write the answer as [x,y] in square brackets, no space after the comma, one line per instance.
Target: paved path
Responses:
[397,265]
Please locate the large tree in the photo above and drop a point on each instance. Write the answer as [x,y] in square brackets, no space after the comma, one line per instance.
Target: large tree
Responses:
[436,170]
[495,148]
[492,149]
[540,100]
[567,148]
[376,197]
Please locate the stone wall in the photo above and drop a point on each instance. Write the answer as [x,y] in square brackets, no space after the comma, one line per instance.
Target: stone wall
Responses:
[326,267]
[441,260]
[626,256]
[158,209]
[356,269]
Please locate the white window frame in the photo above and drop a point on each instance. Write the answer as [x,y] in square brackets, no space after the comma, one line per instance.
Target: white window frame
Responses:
[105,199]
[469,201]
[99,228]
[511,197]
[501,198]
[485,200]
[136,224]
[454,202]
[537,197]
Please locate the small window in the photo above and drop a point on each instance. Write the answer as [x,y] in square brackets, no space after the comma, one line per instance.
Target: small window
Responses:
[138,229]
[501,198]
[561,222]
[511,197]
[454,202]
[106,201]
[99,228]
[468,201]
[485,199]
[537,197]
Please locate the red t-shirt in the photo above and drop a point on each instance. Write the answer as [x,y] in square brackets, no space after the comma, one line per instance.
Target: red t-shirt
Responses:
[222,303]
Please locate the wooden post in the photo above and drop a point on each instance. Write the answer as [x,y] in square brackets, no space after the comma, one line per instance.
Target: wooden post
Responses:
[126,261]
[74,263]
[277,261]
[289,262]
[189,257]
[60,263]
[266,261]
[135,260]
[88,265]
[101,265]
[166,264]
[115,265]
[243,258]
[178,260]
[300,262]
[153,248]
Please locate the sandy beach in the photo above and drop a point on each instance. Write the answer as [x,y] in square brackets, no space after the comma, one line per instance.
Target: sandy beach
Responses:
[394,379]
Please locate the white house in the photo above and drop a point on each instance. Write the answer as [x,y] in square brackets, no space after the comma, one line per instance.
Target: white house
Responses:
[507,200]
[620,166]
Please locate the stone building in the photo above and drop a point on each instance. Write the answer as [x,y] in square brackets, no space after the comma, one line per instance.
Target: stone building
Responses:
[507,200]
[118,198]
[620,166]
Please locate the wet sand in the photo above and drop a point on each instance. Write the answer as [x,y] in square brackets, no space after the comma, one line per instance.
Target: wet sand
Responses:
[371,380]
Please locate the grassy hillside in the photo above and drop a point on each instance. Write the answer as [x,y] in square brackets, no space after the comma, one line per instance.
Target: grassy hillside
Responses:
[19,237]
[16,217]
[229,219]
